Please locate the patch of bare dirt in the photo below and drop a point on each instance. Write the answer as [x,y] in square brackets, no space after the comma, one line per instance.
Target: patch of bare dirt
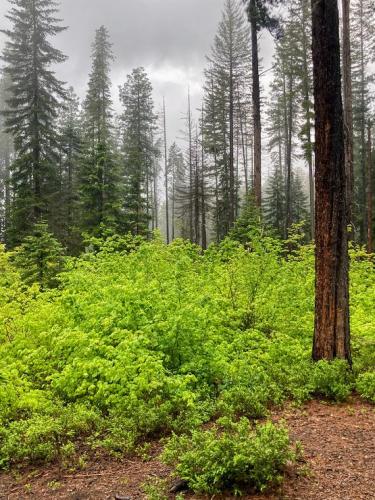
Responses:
[339,464]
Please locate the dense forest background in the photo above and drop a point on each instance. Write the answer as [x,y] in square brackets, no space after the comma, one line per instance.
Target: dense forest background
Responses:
[82,168]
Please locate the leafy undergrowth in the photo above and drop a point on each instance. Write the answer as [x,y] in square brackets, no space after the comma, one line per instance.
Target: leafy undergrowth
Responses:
[162,339]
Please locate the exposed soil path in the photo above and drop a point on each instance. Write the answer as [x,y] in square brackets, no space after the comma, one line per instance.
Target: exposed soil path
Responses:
[339,452]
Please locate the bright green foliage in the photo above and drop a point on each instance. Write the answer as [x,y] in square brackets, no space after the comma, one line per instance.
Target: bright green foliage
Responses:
[143,338]
[366,385]
[40,258]
[231,455]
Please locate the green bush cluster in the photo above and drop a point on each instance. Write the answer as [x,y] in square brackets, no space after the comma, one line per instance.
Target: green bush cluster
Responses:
[140,339]
[230,456]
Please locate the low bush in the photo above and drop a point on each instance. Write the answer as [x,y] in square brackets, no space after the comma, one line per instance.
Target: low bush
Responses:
[366,385]
[230,456]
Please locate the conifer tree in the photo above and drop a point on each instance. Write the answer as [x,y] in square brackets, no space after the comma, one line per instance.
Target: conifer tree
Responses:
[363,48]
[259,18]
[69,163]
[226,98]
[139,122]
[177,170]
[40,258]
[6,152]
[274,203]
[99,176]
[32,110]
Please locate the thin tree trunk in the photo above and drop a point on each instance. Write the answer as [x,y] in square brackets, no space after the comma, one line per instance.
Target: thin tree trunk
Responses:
[256,106]
[232,215]
[362,133]
[307,108]
[191,207]
[348,110]
[166,172]
[155,189]
[203,191]
[288,138]
[369,190]
[332,332]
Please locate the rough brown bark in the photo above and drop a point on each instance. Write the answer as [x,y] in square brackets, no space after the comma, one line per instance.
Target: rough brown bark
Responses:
[369,190]
[348,109]
[332,333]
[256,107]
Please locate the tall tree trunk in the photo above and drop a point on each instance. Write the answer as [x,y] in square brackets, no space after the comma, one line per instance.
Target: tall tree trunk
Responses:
[332,333]
[166,173]
[232,195]
[307,109]
[191,180]
[288,139]
[362,131]
[203,190]
[369,190]
[348,110]
[155,191]
[256,105]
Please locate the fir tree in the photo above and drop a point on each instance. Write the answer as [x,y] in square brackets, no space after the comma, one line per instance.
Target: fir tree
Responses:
[225,102]
[274,203]
[40,258]
[363,47]
[6,152]
[139,122]
[100,176]
[32,110]
[69,163]
[259,18]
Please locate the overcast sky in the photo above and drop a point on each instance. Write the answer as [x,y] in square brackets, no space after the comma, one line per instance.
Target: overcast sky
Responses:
[170,38]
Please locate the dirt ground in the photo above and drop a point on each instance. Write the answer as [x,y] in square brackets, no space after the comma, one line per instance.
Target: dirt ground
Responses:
[339,464]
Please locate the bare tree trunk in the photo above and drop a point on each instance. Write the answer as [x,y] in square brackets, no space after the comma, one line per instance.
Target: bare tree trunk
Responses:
[332,332]
[203,190]
[288,139]
[256,106]
[243,143]
[369,190]
[166,172]
[348,109]
[191,180]
[307,108]
[231,148]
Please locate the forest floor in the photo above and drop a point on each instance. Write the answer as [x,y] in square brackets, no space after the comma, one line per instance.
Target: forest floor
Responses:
[339,464]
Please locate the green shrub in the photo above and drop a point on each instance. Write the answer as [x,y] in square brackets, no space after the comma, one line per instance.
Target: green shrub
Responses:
[332,379]
[149,338]
[366,385]
[230,456]
[45,437]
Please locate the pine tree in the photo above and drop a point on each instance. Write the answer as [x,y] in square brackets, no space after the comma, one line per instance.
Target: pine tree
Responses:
[226,102]
[177,171]
[69,164]
[274,203]
[40,258]
[6,152]
[139,122]
[259,18]
[100,175]
[32,110]
[363,47]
